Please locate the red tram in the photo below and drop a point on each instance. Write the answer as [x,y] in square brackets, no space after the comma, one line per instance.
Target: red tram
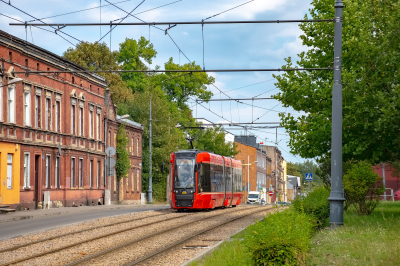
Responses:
[203,180]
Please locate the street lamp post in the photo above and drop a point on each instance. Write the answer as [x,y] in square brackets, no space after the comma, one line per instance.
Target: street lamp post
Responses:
[248,173]
[336,197]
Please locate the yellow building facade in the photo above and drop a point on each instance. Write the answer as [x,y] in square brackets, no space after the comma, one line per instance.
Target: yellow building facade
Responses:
[9,173]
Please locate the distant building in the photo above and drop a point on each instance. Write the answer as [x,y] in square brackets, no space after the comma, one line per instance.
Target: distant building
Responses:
[278,171]
[294,182]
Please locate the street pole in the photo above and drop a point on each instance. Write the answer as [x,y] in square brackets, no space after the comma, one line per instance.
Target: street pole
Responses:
[276,164]
[150,191]
[248,175]
[336,198]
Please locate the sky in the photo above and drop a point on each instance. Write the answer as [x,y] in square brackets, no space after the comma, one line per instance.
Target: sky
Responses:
[226,46]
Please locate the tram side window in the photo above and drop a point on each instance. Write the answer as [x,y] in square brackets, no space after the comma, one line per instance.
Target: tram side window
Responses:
[204,178]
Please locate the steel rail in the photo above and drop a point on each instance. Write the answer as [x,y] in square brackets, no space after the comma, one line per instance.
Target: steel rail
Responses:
[175,23]
[112,249]
[75,232]
[87,240]
[157,252]
[170,71]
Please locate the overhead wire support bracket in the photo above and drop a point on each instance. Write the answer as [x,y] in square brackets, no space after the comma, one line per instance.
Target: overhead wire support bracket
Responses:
[59,28]
[181,23]
[170,27]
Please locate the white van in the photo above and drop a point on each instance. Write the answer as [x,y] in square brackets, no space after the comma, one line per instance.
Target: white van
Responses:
[254,197]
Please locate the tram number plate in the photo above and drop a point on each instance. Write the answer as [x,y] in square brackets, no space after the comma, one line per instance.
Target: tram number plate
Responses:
[184,192]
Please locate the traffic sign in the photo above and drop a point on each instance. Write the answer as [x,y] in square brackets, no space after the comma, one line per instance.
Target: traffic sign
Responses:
[110,151]
[271,193]
[110,162]
[308,176]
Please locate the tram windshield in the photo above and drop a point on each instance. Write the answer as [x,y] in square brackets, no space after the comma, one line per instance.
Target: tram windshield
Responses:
[184,173]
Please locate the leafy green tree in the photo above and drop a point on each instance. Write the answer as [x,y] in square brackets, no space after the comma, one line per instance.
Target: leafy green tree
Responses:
[97,56]
[213,139]
[363,187]
[371,90]
[123,163]
[134,55]
[292,169]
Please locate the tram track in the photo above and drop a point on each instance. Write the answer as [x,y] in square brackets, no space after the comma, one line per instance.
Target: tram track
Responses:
[76,232]
[181,241]
[91,259]
[85,241]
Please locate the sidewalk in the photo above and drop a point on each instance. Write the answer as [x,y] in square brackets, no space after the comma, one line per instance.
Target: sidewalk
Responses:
[32,214]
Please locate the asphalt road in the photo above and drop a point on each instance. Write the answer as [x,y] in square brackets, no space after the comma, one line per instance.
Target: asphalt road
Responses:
[23,227]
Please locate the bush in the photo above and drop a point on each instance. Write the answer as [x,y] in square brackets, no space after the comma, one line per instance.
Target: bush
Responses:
[362,187]
[282,238]
[315,204]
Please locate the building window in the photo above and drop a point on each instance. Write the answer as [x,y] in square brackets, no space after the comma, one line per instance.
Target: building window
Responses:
[37,66]
[26,63]
[109,138]
[73,80]
[137,147]
[9,170]
[48,114]
[91,174]
[37,112]
[26,170]
[98,126]
[81,122]
[48,171]
[48,69]
[73,126]
[10,56]
[80,172]
[58,116]
[91,126]
[11,104]
[73,172]
[98,173]
[27,105]
[137,180]
[58,173]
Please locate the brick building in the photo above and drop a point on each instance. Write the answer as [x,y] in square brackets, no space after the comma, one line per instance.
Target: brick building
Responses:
[247,155]
[277,171]
[52,130]
[130,187]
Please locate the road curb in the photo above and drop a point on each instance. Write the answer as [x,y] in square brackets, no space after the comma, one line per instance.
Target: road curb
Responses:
[13,219]
[203,254]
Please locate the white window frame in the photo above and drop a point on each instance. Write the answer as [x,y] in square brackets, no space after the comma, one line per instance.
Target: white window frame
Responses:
[98,126]
[27,168]
[91,124]
[98,173]
[38,111]
[11,103]
[48,170]
[58,116]
[27,105]
[80,121]
[73,172]
[90,172]
[57,173]
[80,172]
[48,112]
[10,170]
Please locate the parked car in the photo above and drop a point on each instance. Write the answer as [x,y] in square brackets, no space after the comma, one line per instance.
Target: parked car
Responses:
[397,195]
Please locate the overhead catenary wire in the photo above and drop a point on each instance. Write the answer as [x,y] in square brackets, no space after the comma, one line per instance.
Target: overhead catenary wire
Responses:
[229,9]
[179,23]
[43,23]
[119,22]
[38,28]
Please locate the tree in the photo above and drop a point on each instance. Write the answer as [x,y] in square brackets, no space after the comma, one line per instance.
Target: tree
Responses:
[123,164]
[292,169]
[213,139]
[363,187]
[97,56]
[371,90]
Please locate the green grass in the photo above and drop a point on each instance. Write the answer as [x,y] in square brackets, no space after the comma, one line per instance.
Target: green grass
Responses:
[363,240]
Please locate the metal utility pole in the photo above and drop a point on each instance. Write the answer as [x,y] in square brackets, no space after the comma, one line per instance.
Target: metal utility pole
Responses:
[336,198]
[276,164]
[150,191]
